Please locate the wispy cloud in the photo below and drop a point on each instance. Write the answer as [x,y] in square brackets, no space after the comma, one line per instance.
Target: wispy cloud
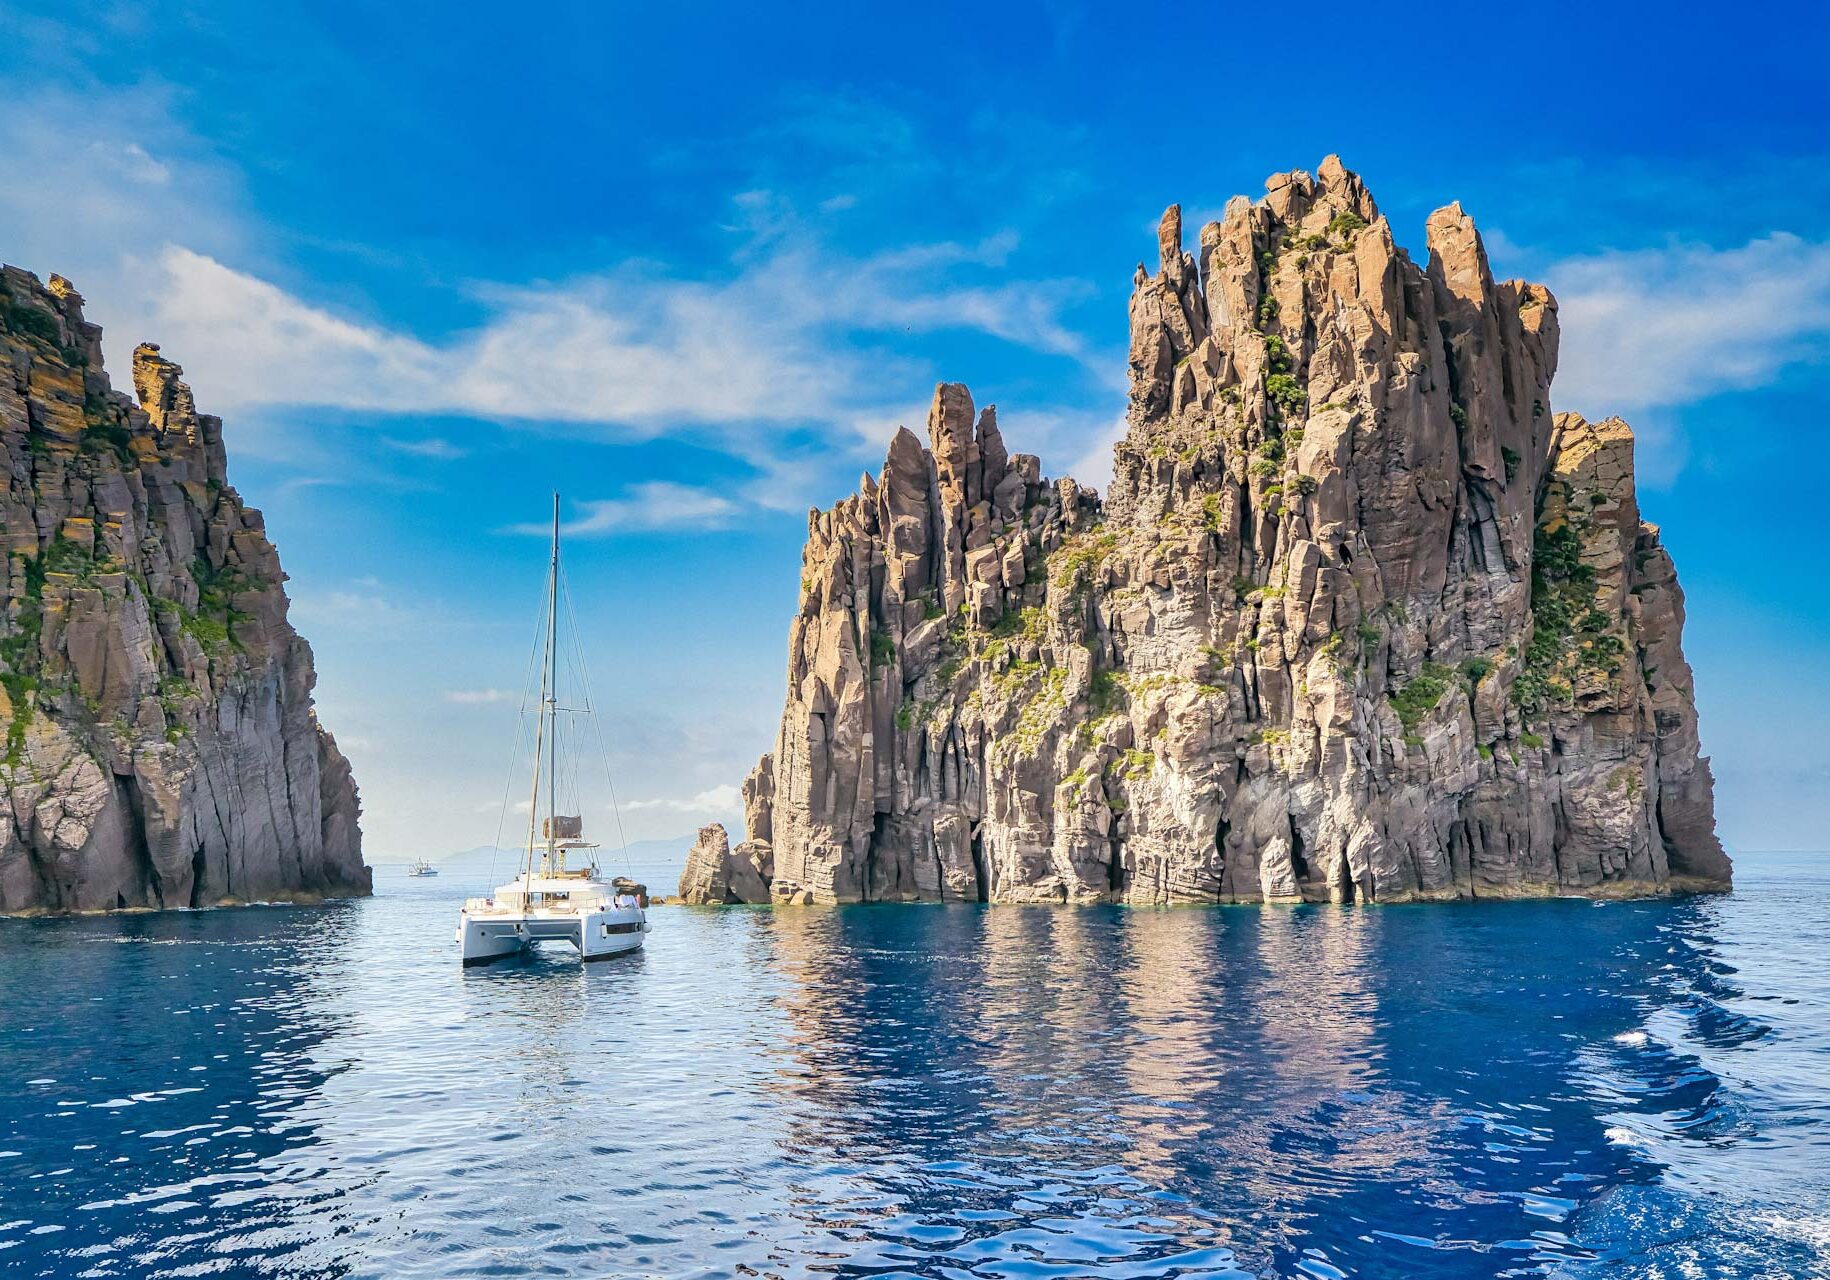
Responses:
[1653,328]
[793,338]
[96,172]
[713,800]
[790,357]
[363,606]
[475,697]
[634,349]
[1096,435]
[132,162]
[441,450]
[654,505]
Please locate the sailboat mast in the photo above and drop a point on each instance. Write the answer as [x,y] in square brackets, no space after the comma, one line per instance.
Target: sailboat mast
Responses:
[544,727]
[552,658]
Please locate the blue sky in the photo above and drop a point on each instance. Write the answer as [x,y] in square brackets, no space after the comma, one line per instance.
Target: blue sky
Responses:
[690,264]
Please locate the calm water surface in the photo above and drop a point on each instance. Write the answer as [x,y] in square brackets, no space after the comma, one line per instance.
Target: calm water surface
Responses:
[1531,1089]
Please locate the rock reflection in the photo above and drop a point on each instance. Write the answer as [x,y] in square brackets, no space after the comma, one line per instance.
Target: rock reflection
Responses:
[1104,1090]
[1081,1068]
[1171,991]
[1553,1089]
[154,1138]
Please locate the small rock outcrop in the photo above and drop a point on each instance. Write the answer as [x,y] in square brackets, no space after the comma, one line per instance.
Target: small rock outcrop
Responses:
[718,874]
[160,747]
[1361,619]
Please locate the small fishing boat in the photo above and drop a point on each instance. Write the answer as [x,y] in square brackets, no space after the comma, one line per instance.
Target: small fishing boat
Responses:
[551,900]
[422,868]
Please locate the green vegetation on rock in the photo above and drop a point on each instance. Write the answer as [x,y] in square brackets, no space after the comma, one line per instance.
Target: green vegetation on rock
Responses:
[1421,694]
[883,649]
[28,321]
[1285,392]
[1569,636]
[1346,224]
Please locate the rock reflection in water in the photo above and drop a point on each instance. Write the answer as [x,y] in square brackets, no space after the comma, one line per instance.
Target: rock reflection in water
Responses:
[204,1112]
[1197,1090]
[1097,1068]
[955,1093]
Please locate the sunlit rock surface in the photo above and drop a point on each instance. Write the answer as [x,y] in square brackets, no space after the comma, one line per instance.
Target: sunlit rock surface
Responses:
[1361,618]
[160,747]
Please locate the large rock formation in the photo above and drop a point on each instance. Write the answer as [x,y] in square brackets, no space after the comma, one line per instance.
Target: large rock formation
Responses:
[160,744]
[1360,619]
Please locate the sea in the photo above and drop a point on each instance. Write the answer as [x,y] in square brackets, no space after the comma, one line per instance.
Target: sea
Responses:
[1558,1088]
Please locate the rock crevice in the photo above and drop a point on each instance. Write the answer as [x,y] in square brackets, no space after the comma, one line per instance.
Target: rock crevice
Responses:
[161,747]
[1360,619]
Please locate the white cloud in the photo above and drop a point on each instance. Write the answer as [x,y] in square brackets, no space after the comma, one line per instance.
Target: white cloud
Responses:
[441,450]
[713,800]
[646,507]
[1654,328]
[131,161]
[92,175]
[243,341]
[786,359]
[362,607]
[632,348]
[476,697]
[1094,466]
[786,345]
[1075,444]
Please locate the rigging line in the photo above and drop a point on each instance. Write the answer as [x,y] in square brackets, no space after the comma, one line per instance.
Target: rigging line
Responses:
[575,660]
[578,649]
[540,735]
[603,750]
[571,738]
[514,757]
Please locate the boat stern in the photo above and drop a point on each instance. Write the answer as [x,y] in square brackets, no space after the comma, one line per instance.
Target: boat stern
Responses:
[612,932]
[484,938]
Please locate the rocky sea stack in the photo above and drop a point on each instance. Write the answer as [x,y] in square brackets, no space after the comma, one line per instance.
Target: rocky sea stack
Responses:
[1361,618]
[160,749]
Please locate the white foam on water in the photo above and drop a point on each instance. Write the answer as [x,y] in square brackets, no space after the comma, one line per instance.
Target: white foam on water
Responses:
[1811,1228]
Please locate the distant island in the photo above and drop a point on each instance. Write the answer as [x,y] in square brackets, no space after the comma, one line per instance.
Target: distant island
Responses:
[161,747]
[1360,619]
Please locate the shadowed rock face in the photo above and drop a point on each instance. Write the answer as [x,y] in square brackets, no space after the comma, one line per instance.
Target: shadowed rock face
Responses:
[160,745]
[1361,619]
[716,874]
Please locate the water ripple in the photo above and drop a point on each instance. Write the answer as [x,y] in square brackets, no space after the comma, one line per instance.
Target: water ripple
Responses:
[1531,1089]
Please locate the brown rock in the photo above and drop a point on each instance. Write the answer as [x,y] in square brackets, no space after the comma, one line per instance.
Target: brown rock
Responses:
[161,746]
[1359,620]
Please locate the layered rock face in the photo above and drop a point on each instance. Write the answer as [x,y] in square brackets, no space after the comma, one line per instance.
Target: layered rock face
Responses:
[715,873]
[1360,620]
[160,744]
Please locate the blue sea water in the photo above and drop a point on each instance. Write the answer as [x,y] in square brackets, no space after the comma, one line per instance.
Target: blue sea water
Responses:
[1559,1088]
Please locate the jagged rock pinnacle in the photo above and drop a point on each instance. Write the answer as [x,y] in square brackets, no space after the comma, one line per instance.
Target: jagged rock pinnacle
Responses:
[161,748]
[1359,620]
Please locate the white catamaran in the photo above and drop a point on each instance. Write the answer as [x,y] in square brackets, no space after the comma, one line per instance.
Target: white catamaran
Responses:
[551,901]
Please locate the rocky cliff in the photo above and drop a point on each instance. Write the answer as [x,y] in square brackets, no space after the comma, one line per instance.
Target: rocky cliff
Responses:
[1361,619]
[160,744]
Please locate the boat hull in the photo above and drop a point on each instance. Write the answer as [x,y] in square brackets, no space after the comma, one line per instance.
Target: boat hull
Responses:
[595,935]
